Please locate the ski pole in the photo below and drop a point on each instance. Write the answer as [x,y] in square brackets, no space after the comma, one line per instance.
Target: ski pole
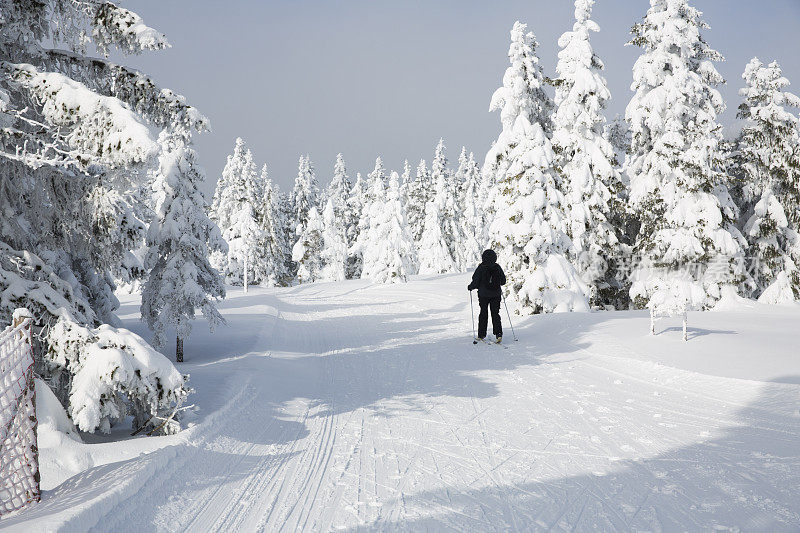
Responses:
[509,316]
[472,315]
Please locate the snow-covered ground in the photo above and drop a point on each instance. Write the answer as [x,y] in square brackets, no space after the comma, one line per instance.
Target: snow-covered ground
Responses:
[351,406]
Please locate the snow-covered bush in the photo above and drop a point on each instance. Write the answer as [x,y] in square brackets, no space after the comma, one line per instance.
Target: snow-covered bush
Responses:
[107,374]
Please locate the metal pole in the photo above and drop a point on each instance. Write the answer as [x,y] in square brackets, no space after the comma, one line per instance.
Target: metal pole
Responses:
[509,317]
[472,315]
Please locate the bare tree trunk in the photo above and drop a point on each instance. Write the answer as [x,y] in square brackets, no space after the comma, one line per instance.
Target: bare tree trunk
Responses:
[179,350]
[245,273]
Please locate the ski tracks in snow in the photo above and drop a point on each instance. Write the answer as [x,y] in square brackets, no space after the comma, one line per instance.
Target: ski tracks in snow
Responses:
[370,409]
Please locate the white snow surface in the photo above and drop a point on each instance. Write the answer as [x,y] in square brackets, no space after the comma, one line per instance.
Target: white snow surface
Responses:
[351,406]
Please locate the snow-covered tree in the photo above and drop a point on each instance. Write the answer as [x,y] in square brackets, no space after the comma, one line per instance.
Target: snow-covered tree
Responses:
[304,197]
[406,182]
[333,255]
[285,213]
[528,229]
[76,145]
[444,185]
[273,235]
[339,188]
[307,250]
[433,253]
[355,208]
[368,191]
[305,192]
[180,278]
[236,210]
[418,196]
[768,157]
[471,226]
[678,189]
[377,174]
[586,160]
[386,243]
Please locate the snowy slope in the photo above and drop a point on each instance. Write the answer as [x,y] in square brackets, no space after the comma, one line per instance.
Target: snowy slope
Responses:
[348,406]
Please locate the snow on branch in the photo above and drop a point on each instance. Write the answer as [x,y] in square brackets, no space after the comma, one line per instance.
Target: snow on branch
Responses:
[124,29]
[96,127]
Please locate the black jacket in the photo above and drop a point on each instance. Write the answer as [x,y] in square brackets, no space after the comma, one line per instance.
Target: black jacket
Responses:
[480,279]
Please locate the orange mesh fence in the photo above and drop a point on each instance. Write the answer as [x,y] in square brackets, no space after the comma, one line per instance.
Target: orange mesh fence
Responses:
[19,454]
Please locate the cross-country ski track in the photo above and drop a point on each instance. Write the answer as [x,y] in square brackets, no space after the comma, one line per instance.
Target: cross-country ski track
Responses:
[350,406]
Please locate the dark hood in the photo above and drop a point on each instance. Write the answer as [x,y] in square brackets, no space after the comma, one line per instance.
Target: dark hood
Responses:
[488,257]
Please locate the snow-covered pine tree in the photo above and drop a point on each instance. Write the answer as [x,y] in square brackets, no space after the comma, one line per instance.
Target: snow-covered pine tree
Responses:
[470,231]
[180,278]
[305,193]
[443,183]
[76,146]
[339,188]
[370,188]
[377,174]
[386,243]
[236,211]
[285,212]
[528,228]
[273,234]
[433,253]
[406,183]
[687,239]
[586,162]
[333,255]
[304,197]
[307,250]
[418,194]
[768,157]
[355,208]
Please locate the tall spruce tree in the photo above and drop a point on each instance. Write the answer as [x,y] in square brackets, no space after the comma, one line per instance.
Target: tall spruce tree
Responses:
[333,254]
[586,161]
[386,243]
[444,186]
[180,278]
[768,157]
[355,209]
[339,188]
[687,242]
[418,195]
[236,210]
[307,251]
[471,228]
[273,231]
[528,227]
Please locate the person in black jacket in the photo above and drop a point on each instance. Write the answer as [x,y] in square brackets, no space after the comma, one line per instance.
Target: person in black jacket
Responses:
[488,279]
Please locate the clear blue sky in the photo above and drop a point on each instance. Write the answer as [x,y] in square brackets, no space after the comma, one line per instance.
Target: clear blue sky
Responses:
[380,77]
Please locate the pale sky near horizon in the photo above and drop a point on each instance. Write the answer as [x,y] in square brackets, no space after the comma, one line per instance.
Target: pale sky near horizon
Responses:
[374,77]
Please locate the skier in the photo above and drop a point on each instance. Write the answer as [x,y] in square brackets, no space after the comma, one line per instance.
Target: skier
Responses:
[488,278]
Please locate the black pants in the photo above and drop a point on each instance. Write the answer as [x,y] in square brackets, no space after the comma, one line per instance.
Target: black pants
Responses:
[486,303]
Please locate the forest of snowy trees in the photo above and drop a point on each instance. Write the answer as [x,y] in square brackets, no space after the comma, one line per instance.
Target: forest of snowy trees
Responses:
[583,212]
[100,187]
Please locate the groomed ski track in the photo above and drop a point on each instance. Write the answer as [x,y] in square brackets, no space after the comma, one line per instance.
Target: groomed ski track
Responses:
[354,407]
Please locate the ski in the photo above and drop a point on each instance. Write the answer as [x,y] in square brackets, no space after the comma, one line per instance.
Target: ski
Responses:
[489,343]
